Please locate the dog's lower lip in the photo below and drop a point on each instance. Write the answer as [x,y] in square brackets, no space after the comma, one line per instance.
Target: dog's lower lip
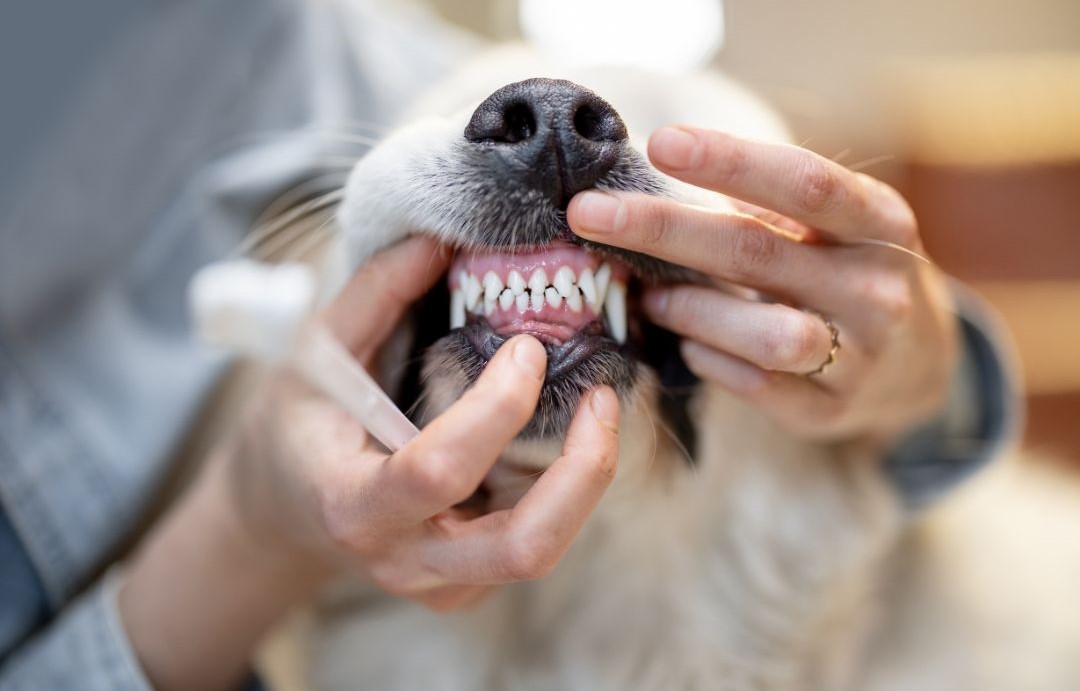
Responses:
[562,357]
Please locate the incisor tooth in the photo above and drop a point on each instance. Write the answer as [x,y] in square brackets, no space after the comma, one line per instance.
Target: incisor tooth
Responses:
[506,298]
[564,281]
[574,301]
[522,302]
[538,282]
[493,285]
[457,309]
[588,288]
[537,300]
[515,282]
[489,307]
[615,308]
[472,293]
[553,298]
[603,278]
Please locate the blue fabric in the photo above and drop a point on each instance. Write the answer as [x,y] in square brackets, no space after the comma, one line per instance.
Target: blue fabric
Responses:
[23,605]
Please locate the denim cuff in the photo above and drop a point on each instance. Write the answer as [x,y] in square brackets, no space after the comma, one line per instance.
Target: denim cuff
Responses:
[86,649]
[982,416]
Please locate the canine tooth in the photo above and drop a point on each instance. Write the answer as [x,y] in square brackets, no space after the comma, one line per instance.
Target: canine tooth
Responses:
[515,282]
[538,282]
[615,307]
[522,302]
[493,285]
[587,283]
[472,293]
[574,301]
[489,307]
[603,278]
[506,298]
[553,298]
[457,309]
[564,281]
[537,300]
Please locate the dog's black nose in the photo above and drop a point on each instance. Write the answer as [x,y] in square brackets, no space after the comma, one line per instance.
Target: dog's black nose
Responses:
[550,134]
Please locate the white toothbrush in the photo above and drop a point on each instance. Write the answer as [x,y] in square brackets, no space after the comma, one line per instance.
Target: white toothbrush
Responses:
[263,311]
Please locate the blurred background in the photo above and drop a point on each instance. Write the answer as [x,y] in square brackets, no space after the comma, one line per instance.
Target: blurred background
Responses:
[970,107]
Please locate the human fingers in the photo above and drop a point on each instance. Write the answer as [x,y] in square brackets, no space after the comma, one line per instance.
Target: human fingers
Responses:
[798,403]
[367,309]
[773,336]
[444,465]
[527,541]
[787,179]
[733,247]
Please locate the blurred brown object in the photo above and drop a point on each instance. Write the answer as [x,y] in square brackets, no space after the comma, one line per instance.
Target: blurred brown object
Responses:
[993,171]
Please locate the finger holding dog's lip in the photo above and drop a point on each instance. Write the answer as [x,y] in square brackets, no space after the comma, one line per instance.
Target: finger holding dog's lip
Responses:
[445,464]
[528,540]
[363,317]
[787,179]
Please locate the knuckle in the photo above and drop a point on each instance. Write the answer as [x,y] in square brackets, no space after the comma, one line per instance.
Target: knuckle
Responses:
[654,223]
[438,477]
[527,558]
[755,250]
[891,296]
[336,521]
[819,188]
[687,306]
[793,343]
[727,159]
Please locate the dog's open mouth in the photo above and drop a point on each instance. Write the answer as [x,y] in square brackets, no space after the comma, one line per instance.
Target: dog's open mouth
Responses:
[572,300]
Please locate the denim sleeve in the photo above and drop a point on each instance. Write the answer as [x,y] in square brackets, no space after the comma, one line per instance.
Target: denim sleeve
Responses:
[85,649]
[980,418]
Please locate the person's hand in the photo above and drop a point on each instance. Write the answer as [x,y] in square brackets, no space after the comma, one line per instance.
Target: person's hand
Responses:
[794,236]
[309,478]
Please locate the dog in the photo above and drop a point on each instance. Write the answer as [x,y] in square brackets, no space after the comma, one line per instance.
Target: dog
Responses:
[727,554]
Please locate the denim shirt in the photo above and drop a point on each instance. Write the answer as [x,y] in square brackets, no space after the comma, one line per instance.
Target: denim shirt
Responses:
[149,171]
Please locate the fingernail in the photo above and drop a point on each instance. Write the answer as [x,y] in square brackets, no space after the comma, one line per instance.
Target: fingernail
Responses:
[605,411]
[674,148]
[656,302]
[597,212]
[531,356]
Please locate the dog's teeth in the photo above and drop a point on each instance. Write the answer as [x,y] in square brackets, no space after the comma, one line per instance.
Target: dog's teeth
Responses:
[615,307]
[506,299]
[473,290]
[493,285]
[588,288]
[489,307]
[553,298]
[457,309]
[603,278]
[522,302]
[574,301]
[537,299]
[538,283]
[515,282]
[564,281]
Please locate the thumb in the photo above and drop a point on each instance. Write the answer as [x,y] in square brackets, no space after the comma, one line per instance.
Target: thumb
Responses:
[369,307]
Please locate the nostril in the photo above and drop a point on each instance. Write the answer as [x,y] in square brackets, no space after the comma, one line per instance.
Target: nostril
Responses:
[598,122]
[587,123]
[520,123]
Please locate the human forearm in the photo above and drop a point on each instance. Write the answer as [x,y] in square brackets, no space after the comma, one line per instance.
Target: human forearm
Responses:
[202,590]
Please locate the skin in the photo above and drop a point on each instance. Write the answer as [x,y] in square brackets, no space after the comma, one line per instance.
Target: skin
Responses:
[793,240]
[303,495]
